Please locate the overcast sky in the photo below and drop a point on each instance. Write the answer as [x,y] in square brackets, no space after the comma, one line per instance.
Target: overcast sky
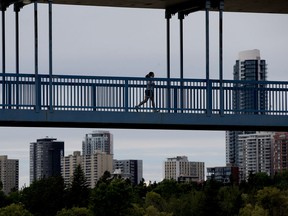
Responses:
[132,42]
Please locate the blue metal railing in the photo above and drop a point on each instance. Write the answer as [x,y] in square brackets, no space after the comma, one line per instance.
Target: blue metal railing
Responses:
[122,94]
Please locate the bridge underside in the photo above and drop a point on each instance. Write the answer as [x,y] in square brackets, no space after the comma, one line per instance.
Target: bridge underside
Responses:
[263,6]
[82,119]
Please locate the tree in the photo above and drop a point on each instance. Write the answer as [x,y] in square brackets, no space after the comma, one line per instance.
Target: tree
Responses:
[139,192]
[78,192]
[273,200]
[281,180]
[168,188]
[75,211]
[229,199]
[111,198]
[211,189]
[250,210]
[154,199]
[44,197]
[152,211]
[191,204]
[258,181]
[14,210]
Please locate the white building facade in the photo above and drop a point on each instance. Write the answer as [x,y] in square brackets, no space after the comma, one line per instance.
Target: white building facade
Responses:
[179,167]
[255,154]
[97,141]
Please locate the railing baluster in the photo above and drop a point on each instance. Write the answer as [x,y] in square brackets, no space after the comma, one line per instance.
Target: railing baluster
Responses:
[122,94]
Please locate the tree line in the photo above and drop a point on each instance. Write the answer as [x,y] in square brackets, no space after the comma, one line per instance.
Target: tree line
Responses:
[261,195]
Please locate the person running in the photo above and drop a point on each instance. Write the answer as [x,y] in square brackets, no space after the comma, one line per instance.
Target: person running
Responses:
[149,92]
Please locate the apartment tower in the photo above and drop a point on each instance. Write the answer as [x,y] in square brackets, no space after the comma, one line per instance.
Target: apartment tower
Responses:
[280,152]
[9,174]
[249,67]
[255,153]
[97,141]
[45,158]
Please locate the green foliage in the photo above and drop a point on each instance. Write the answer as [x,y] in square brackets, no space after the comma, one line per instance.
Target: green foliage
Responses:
[273,200]
[229,199]
[75,211]
[111,197]
[262,195]
[281,180]
[14,210]
[250,210]
[258,181]
[78,192]
[154,199]
[152,211]
[211,189]
[191,204]
[3,199]
[44,197]
[168,188]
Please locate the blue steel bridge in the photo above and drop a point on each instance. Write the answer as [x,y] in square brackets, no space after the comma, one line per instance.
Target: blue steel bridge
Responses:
[50,100]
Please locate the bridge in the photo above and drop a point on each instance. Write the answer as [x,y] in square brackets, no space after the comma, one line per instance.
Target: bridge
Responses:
[54,100]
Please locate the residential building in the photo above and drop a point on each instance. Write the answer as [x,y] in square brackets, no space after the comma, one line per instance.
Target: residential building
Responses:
[224,174]
[69,164]
[45,158]
[94,166]
[255,153]
[130,169]
[249,67]
[280,152]
[97,141]
[180,168]
[9,174]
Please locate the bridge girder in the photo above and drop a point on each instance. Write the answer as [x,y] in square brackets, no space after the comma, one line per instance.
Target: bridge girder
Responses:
[251,6]
[129,120]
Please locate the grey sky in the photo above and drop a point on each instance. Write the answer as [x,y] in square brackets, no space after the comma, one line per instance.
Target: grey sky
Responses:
[132,42]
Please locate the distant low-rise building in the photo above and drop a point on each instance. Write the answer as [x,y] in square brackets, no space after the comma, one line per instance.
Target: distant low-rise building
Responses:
[179,169]
[130,169]
[223,174]
[9,174]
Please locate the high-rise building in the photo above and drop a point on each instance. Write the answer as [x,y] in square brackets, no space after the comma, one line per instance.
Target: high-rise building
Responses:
[98,141]
[280,152]
[93,165]
[179,167]
[255,153]
[249,67]
[45,158]
[69,164]
[130,169]
[9,174]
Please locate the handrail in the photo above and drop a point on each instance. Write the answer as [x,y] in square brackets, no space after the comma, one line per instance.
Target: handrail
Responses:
[122,94]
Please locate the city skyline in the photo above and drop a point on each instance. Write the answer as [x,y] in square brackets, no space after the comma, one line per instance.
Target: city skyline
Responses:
[131,42]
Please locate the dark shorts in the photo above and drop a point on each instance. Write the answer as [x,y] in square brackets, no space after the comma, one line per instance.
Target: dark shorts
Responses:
[149,93]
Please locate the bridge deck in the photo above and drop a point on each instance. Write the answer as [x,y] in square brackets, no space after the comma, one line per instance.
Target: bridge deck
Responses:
[90,101]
